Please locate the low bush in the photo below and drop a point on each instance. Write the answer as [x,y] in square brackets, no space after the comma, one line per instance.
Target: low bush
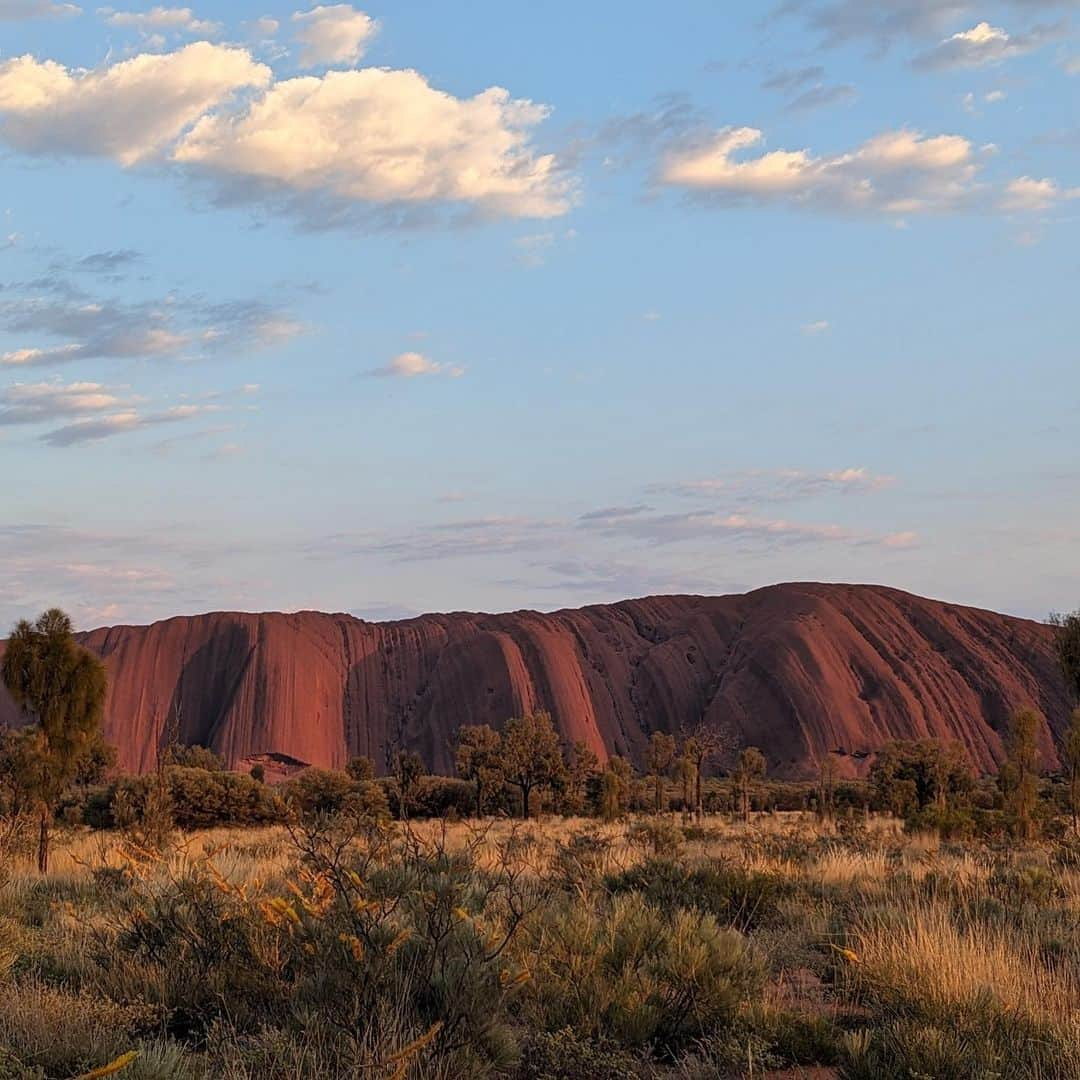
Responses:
[736,897]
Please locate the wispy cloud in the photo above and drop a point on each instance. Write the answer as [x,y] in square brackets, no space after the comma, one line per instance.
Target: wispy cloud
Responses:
[168,327]
[161,20]
[19,10]
[777,485]
[411,365]
[120,423]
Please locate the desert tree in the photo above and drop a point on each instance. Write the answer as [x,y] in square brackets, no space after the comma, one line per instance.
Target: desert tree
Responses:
[659,757]
[478,758]
[361,769]
[1019,773]
[685,769]
[610,808]
[407,768]
[1070,756]
[532,756]
[703,743]
[908,776]
[60,687]
[623,772]
[582,765]
[749,768]
[1067,647]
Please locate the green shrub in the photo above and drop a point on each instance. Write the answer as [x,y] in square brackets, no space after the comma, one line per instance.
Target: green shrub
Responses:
[563,1055]
[626,971]
[734,896]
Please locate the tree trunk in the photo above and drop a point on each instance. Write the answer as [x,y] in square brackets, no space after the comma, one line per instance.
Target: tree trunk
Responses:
[659,793]
[697,793]
[479,800]
[43,843]
[525,801]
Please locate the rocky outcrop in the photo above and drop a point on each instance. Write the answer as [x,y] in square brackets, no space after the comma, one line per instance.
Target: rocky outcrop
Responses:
[802,671]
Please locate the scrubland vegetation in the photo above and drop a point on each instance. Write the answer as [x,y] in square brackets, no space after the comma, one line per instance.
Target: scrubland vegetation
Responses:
[540,916]
[566,948]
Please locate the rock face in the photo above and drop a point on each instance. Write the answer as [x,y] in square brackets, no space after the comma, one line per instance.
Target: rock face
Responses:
[803,671]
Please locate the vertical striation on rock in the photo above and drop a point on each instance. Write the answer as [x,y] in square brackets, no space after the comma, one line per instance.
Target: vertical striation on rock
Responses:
[800,670]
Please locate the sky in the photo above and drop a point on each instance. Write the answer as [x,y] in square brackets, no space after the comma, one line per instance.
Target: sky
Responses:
[485,306]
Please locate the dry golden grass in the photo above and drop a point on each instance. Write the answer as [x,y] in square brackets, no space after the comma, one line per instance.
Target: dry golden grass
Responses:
[920,954]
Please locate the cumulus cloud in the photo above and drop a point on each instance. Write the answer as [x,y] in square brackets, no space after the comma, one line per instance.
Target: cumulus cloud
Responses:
[18,10]
[387,137]
[812,329]
[409,365]
[1029,194]
[129,111]
[980,46]
[332,34]
[897,172]
[161,20]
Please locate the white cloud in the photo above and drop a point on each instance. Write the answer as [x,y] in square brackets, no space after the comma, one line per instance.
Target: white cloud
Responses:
[703,524]
[119,423]
[17,10]
[897,172]
[332,34]
[264,28]
[161,20]
[94,411]
[983,44]
[129,111]
[149,329]
[902,540]
[409,365]
[994,96]
[884,22]
[1028,194]
[811,329]
[372,136]
[57,354]
[383,136]
[35,403]
[776,485]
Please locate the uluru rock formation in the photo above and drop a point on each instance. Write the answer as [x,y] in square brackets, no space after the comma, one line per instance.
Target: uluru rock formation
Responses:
[802,671]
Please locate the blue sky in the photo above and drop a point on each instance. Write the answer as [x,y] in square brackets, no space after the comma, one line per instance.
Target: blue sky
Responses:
[432,307]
